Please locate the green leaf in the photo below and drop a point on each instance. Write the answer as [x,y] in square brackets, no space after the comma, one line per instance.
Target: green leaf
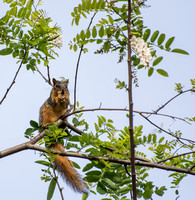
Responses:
[82,35]
[154,138]
[107,46]
[23,1]
[34,124]
[101,189]
[29,4]
[87,167]
[6,51]
[7,1]
[117,34]
[101,32]
[22,12]
[109,183]
[149,138]
[157,61]
[75,121]
[162,72]
[88,34]
[99,41]
[110,19]
[124,189]
[46,62]
[85,196]
[13,11]
[150,71]
[94,32]
[29,131]
[154,36]
[104,21]
[136,62]
[94,172]
[77,18]
[106,199]
[74,138]
[161,39]
[92,178]
[103,118]
[88,4]
[161,139]
[75,47]
[160,191]
[146,34]
[109,125]
[100,121]
[76,165]
[43,162]
[51,189]
[169,42]
[96,127]
[180,51]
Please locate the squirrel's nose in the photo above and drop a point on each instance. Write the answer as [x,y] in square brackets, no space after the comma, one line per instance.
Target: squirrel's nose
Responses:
[62,92]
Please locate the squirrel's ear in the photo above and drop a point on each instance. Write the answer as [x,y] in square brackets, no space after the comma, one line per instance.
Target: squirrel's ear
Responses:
[54,81]
[67,81]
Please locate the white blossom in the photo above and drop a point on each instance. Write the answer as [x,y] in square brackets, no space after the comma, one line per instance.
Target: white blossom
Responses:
[58,37]
[142,50]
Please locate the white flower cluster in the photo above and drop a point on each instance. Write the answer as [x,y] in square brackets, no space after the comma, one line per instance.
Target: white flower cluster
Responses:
[142,50]
[58,37]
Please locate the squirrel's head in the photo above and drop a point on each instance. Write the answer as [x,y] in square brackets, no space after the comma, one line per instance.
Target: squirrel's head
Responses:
[60,90]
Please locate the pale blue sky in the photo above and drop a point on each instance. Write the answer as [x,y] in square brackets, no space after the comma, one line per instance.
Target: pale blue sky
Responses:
[20,176]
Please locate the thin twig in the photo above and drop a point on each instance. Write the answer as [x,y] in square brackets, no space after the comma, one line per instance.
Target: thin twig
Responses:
[48,81]
[127,110]
[14,77]
[176,156]
[189,90]
[56,179]
[48,75]
[127,170]
[78,61]
[169,133]
[116,12]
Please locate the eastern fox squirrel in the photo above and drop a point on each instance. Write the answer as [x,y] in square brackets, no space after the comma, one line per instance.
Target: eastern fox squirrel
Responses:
[55,107]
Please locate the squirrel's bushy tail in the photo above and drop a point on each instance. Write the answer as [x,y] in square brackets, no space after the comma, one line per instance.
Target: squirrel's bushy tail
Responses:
[67,171]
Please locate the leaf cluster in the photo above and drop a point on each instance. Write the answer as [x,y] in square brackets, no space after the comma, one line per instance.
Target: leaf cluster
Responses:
[26,34]
[55,134]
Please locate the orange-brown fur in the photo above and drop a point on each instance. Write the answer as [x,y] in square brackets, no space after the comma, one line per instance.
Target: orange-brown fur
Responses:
[55,107]
[66,168]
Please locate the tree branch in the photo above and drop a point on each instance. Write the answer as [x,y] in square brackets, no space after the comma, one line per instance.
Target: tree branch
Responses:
[73,128]
[90,157]
[130,96]
[78,61]
[8,89]
[124,109]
